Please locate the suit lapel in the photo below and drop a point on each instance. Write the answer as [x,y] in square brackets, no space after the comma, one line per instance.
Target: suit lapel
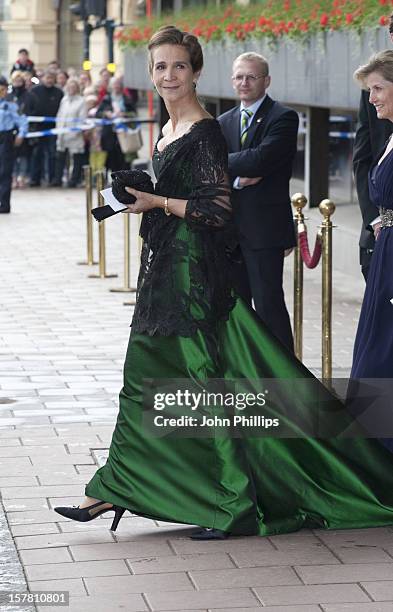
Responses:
[232,134]
[258,122]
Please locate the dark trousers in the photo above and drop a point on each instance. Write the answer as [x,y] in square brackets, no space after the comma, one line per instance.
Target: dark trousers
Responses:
[76,176]
[365,261]
[260,278]
[6,166]
[45,149]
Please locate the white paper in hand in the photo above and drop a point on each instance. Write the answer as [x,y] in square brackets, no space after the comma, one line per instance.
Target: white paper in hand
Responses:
[111,200]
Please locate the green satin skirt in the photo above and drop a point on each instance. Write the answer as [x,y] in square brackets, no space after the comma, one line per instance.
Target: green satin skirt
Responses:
[248,485]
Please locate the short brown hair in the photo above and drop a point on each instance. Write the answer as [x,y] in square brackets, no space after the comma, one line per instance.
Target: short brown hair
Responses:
[170,35]
[381,62]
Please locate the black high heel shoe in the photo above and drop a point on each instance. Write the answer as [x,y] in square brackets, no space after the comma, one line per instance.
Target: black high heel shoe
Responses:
[209,534]
[85,514]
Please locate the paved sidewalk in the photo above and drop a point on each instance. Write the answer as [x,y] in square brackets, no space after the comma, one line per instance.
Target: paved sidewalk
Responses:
[62,343]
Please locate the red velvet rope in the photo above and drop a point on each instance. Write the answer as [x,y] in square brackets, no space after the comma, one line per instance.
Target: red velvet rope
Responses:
[311,261]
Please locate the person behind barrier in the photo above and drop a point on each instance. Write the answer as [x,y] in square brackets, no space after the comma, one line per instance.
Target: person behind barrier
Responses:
[103,83]
[97,157]
[44,101]
[373,350]
[71,114]
[114,105]
[371,136]
[10,121]
[188,324]
[23,63]
[261,136]
[61,79]
[20,96]
[84,81]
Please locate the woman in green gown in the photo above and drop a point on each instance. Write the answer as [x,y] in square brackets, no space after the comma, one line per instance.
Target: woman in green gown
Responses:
[188,324]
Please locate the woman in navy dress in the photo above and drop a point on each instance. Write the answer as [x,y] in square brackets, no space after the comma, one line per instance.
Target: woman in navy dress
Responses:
[373,351]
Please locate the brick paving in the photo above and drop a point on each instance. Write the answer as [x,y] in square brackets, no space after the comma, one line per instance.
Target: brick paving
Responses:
[62,343]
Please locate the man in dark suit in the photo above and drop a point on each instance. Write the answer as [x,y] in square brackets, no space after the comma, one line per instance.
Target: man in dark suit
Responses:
[370,139]
[261,135]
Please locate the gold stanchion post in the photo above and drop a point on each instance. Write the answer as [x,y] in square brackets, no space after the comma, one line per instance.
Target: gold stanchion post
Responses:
[89,219]
[101,235]
[326,209]
[299,201]
[140,241]
[126,288]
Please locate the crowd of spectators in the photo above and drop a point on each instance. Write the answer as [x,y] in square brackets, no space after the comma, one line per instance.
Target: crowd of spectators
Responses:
[71,98]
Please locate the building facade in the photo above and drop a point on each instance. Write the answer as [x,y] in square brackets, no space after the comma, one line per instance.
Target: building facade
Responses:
[49,30]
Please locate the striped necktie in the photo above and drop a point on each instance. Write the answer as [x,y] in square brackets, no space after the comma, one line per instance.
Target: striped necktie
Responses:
[247,114]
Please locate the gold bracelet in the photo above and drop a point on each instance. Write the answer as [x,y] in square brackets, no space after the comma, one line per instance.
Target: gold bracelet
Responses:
[166,207]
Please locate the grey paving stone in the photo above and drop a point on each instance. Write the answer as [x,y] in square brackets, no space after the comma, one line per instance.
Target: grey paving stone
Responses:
[359,607]
[87,538]
[35,529]
[250,577]
[351,572]
[111,602]
[380,590]
[185,563]
[118,551]
[253,544]
[220,598]
[22,505]
[174,581]
[362,554]
[78,569]
[45,556]
[329,593]
[297,556]
[295,608]
[74,586]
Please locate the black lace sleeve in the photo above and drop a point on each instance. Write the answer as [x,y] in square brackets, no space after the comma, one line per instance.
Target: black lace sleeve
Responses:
[209,205]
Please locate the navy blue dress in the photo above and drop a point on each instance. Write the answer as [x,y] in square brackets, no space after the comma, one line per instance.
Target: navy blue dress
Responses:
[373,350]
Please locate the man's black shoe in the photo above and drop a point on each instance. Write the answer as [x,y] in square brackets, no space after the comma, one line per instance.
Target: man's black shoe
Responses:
[4,210]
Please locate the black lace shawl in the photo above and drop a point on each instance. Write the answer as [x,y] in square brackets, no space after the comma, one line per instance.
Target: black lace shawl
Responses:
[184,282]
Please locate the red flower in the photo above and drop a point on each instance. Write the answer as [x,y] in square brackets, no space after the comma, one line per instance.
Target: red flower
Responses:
[240,35]
[383,2]
[383,21]
[262,21]
[290,25]
[230,27]
[324,20]
[349,17]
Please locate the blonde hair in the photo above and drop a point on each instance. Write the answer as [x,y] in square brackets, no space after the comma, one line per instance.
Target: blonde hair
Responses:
[17,74]
[254,57]
[381,62]
[73,81]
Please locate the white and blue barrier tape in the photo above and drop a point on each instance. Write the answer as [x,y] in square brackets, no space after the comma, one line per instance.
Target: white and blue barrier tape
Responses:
[82,125]
[343,135]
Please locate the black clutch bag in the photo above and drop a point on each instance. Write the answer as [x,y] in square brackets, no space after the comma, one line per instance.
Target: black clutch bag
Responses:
[138,179]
